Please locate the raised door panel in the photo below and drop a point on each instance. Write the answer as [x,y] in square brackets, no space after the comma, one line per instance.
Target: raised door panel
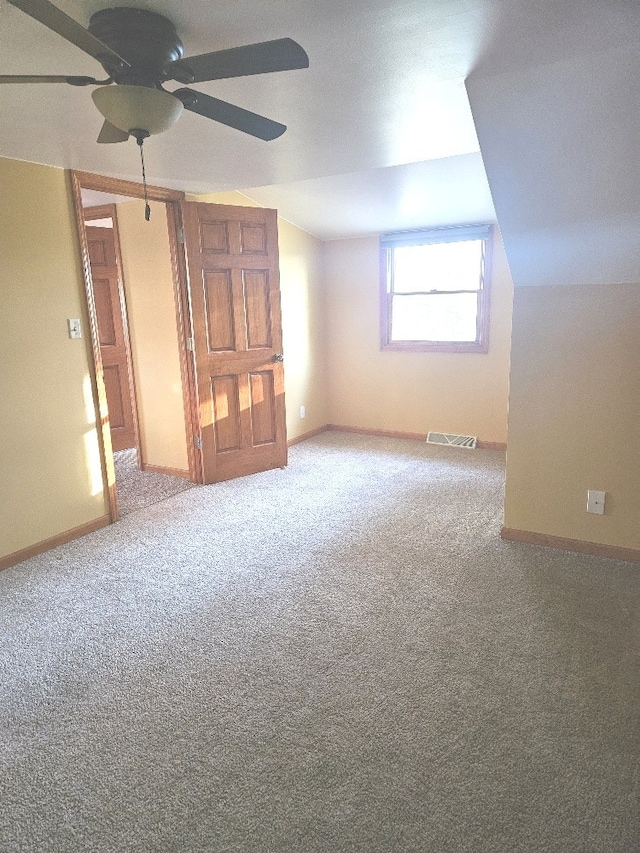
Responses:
[257,312]
[219,313]
[97,253]
[101,247]
[214,236]
[226,413]
[253,239]
[115,395]
[104,312]
[263,423]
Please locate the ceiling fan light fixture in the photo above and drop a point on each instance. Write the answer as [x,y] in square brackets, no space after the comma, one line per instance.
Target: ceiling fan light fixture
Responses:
[129,107]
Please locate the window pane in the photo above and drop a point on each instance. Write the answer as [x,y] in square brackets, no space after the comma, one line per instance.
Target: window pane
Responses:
[438,266]
[446,317]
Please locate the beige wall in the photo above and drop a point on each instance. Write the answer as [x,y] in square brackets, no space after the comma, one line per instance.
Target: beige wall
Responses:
[148,283]
[303,320]
[574,420]
[50,473]
[409,392]
[303,329]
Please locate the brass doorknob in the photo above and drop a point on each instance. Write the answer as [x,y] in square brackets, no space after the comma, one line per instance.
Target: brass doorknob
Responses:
[278,357]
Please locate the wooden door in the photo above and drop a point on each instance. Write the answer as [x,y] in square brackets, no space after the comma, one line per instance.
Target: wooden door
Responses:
[110,311]
[234,283]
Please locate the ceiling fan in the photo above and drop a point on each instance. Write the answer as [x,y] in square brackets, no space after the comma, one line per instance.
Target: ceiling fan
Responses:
[140,51]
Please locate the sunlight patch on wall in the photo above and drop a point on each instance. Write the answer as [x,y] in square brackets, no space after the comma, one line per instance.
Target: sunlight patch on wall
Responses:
[91,444]
[94,466]
[295,311]
[89,406]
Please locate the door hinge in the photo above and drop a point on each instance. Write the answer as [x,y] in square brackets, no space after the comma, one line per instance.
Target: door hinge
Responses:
[198,442]
[181,239]
[191,346]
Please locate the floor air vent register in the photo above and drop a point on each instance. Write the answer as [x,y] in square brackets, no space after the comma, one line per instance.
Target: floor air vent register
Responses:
[451,440]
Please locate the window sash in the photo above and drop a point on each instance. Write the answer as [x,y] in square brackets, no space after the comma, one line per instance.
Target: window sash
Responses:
[441,271]
[448,295]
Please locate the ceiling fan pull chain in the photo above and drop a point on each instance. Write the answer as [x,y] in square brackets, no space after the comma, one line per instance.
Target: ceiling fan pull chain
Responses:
[140,137]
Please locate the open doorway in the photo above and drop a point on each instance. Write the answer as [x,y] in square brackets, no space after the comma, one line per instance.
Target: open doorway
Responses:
[228,330]
[139,329]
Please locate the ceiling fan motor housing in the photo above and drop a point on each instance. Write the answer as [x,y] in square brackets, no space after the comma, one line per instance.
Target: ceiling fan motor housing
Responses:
[147,41]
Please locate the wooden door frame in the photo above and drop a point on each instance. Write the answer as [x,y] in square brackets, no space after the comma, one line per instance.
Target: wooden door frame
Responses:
[108,211]
[172,200]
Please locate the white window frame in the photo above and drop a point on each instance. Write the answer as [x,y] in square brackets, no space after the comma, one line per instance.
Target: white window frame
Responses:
[458,233]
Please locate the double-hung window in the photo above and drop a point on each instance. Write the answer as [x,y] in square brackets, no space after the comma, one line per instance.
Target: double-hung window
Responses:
[435,289]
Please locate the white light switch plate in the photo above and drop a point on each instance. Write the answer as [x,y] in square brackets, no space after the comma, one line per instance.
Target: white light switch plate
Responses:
[74,328]
[595,502]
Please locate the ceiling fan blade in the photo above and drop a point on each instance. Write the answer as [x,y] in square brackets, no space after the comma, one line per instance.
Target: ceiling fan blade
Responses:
[71,30]
[110,133]
[49,78]
[228,114]
[278,55]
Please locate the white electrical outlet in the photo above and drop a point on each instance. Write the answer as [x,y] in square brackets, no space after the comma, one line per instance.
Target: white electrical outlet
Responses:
[595,502]
[303,413]
[74,329]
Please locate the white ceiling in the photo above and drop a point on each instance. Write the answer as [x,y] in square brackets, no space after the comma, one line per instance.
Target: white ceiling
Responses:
[380,133]
[446,191]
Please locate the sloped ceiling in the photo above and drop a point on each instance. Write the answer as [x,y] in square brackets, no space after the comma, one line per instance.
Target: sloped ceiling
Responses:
[561,143]
[380,133]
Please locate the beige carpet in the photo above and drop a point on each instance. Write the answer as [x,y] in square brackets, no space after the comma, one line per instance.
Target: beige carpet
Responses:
[137,489]
[339,656]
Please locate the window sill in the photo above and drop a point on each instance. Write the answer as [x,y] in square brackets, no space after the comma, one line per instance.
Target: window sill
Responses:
[426,346]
